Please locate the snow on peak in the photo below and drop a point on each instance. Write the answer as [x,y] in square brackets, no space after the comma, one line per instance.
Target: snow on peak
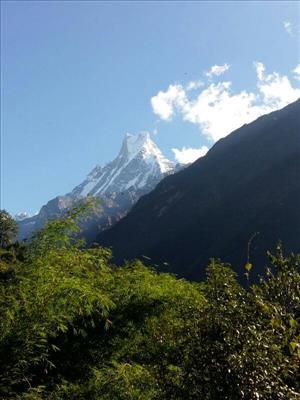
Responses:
[142,145]
[139,163]
[22,215]
[135,143]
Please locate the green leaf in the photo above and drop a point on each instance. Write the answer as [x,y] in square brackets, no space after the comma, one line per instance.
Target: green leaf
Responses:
[248,266]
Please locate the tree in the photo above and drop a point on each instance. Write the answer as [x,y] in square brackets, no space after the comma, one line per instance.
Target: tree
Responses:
[8,229]
[75,326]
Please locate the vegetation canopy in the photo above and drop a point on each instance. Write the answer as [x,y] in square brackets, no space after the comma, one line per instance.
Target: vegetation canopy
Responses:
[74,326]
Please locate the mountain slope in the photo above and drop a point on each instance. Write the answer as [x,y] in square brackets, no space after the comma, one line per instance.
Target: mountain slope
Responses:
[136,170]
[137,166]
[248,182]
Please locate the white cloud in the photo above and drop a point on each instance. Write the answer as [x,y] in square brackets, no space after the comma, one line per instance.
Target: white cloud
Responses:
[188,155]
[217,110]
[163,103]
[217,70]
[193,85]
[288,27]
[276,91]
[296,72]
[260,70]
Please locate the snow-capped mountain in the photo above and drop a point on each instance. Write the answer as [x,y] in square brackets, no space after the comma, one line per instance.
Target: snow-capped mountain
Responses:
[22,215]
[137,169]
[139,165]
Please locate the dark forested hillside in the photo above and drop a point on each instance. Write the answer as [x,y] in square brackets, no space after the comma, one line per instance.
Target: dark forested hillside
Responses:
[249,182]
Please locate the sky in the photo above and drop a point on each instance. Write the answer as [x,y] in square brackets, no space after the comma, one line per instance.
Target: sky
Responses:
[76,76]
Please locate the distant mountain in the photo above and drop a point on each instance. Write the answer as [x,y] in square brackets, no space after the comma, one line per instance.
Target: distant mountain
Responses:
[22,215]
[139,165]
[137,169]
[248,182]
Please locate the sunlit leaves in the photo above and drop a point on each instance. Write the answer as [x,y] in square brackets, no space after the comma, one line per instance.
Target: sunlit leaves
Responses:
[74,326]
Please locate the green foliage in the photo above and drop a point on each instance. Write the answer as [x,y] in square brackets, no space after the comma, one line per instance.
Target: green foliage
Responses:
[8,229]
[74,326]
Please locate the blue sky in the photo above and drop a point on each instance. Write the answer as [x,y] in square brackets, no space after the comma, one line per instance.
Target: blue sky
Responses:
[76,76]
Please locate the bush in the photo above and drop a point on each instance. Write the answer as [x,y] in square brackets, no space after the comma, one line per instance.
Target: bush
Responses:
[74,326]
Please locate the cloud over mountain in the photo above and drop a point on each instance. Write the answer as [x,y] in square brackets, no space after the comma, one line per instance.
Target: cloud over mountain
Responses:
[188,155]
[218,109]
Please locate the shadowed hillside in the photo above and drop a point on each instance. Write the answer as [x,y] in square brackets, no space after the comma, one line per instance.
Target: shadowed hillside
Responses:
[248,182]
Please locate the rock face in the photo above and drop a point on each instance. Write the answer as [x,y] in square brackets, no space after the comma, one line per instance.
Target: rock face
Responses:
[248,182]
[136,170]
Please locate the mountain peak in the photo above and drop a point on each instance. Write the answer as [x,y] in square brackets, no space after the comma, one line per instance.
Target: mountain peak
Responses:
[22,215]
[133,144]
[137,169]
[139,164]
[142,146]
